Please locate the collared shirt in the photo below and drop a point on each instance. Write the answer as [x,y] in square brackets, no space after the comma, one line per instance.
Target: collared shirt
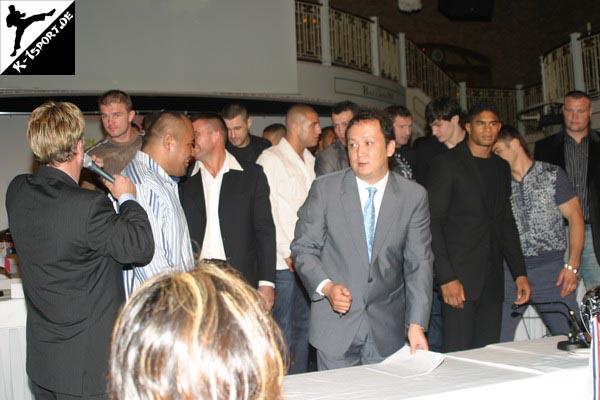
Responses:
[576,165]
[157,193]
[363,194]
[289,178]
[212,246]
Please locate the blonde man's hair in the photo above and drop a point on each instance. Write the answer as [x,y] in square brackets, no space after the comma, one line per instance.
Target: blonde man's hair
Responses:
[53,131]
[201,334]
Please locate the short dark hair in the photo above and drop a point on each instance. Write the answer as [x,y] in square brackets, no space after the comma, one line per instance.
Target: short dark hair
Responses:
[159,122]
[232,110]
[479,107]
[274,128]
[216,121]
[508,133]
[398,111]
[442,108]
[578,95]
[115,96]
[346,105]
[374,115]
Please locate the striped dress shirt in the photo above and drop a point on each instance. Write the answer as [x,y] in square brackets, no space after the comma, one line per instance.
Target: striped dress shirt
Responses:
[576,165]
[157,193]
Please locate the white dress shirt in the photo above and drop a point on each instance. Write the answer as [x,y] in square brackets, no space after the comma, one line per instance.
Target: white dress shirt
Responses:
[212,246]
[289,179]
[363,194]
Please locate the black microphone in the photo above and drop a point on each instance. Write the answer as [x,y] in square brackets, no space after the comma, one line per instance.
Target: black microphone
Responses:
[577,339]
[92,166]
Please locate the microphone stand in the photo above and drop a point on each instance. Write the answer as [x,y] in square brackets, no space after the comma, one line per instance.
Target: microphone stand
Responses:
[575,338]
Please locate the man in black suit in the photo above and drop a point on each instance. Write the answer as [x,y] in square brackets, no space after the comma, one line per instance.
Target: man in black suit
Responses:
[576,149]
[71,247]
[473,230]
[404,159]
[241,144]
[226,204]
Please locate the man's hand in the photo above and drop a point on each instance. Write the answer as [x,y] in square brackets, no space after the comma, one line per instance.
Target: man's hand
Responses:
[120,186]
[568,279]
[289,263]
[454,294]
[267,297]
[339,297]
[99,162]
[416,338]
[523,290]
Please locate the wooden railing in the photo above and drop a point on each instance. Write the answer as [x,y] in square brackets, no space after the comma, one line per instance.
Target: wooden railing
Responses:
[308,31]
[389,60]
[590,49]
[350,40]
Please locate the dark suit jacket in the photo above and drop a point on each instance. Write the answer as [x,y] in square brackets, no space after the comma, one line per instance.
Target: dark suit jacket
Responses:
[469,240]
[71,247]
[252,151]
[247,224]
[552,150]
[394,290]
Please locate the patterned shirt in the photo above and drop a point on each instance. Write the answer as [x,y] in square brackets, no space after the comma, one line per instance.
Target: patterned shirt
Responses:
[535,201]
[157,193]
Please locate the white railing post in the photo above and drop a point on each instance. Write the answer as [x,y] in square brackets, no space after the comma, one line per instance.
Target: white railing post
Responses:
[325,37]
[375,46]
[520,100]
[577,60]
[402,55]
[462,87]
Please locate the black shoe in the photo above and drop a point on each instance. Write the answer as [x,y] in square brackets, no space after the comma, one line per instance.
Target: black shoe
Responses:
[51,13]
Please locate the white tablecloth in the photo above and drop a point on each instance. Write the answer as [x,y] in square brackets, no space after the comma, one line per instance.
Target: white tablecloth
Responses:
[14,384]
[524,370]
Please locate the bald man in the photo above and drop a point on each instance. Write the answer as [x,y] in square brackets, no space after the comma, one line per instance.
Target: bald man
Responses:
[289,167]
[155,171]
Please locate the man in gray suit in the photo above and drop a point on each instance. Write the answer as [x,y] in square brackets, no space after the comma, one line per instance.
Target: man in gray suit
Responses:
[362,242]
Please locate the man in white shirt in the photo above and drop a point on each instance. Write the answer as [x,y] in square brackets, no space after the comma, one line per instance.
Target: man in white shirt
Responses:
[289,167]
[363,243]
[226,203]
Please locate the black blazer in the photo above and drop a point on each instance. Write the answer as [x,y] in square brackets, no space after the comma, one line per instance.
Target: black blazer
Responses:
[247,224]
[552,150]
[469,240]
[71,247]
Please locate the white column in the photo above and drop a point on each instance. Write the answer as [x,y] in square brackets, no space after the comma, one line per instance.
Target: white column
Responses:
[462,87]
[402,56]
[577,59]
[375,46]
[520,100]
[325,38]
[544,90]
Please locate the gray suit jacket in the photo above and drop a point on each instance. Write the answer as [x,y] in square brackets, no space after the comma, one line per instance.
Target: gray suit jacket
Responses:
[334,158]
[392,292]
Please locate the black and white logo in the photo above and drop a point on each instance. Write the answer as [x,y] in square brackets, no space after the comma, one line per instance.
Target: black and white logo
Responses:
[37,37]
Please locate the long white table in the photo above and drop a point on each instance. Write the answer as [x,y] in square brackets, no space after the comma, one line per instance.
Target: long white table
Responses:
[525,370]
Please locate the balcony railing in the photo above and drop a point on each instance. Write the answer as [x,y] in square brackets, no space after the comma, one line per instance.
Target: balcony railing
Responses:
[422,72]
[563,66]
[389,62]
[350,40]
[353,42]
